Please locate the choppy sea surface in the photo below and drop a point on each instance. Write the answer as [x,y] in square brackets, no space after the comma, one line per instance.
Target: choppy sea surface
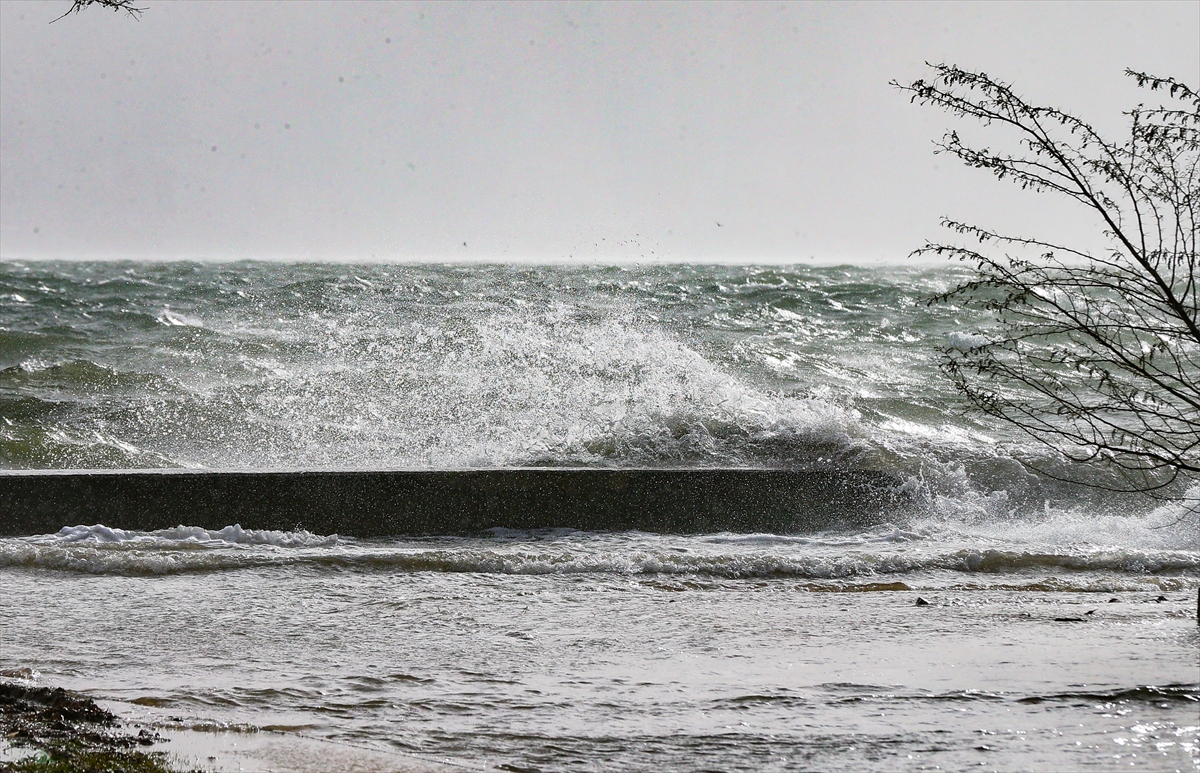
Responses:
[1060,632]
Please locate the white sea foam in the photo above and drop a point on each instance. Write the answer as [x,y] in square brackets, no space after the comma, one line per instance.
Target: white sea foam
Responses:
[176,319]
[556,386]
[881,534]
[965,341]
[432,367]
[185,536]
[35,365]
[641,634]
[90,550]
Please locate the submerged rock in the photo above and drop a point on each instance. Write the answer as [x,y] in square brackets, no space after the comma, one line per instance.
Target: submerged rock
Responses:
[68,732]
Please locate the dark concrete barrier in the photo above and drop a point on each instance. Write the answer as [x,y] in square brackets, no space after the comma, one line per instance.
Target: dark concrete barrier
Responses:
[379,503]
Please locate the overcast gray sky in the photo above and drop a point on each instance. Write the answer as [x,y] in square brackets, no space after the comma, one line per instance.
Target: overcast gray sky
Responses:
[540,131]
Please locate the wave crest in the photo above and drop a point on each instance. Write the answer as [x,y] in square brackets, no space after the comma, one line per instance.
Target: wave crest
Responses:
[100,550]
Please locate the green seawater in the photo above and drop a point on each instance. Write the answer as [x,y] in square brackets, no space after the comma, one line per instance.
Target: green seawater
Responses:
[1056,628]
[298,366]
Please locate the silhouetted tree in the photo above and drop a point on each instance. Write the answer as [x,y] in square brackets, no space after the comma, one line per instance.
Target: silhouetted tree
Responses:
[1095,353]
[116,5]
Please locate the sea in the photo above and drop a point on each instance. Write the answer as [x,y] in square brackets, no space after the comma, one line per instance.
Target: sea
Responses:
[1003,619]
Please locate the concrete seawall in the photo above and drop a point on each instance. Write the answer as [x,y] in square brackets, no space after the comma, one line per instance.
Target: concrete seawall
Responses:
[373,503]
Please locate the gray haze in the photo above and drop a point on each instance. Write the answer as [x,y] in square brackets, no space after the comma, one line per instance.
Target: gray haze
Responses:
[544,131]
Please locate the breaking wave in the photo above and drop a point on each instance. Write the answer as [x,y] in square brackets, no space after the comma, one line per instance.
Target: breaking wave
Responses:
[888,551]
[247,366]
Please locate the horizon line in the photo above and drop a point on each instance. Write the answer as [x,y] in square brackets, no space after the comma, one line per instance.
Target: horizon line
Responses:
[910,260]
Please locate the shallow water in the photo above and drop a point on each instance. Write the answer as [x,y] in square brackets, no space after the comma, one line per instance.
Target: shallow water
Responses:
[590,651]
[574,650]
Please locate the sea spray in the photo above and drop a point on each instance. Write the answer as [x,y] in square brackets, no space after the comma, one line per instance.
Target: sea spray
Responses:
[1055,628]
[252,365]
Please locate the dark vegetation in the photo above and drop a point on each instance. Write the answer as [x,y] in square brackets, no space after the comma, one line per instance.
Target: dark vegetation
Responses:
[1095,353]
[71,733]
[113,5]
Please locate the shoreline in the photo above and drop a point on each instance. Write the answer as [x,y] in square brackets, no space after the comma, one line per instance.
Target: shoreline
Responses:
[48,730]
[52,729]
[1077,661]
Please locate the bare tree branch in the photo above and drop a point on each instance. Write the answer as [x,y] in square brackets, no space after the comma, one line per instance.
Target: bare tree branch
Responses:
[117,5]
[1096,356]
